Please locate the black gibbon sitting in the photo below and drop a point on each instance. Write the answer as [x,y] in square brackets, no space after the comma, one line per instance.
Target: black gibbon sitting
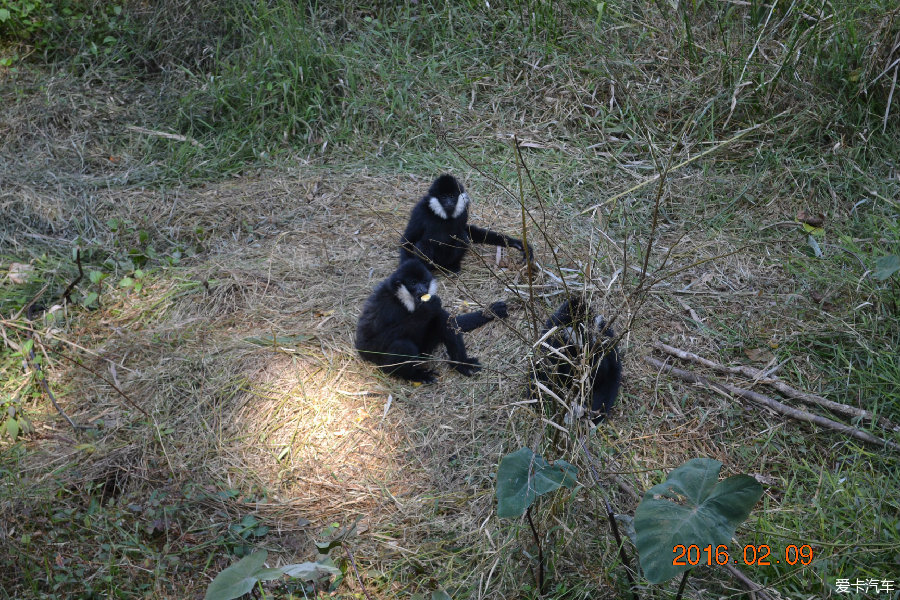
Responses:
[438,232]
[403,320]
[579,343]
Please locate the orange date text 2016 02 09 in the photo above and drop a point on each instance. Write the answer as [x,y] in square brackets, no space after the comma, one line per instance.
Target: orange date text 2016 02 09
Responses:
[762,555]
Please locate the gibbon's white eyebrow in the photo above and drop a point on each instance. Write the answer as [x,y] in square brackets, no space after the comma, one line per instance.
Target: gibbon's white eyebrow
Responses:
[435,205]
[462,201]
[405,298]
[432,287]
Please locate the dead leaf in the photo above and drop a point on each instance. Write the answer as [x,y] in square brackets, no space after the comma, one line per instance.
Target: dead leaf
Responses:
[20,272]
[813,220]
[759,355]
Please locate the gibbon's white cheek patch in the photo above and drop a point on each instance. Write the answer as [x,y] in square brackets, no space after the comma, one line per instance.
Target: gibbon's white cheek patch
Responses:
[462,201]
[435,205]
[405,298]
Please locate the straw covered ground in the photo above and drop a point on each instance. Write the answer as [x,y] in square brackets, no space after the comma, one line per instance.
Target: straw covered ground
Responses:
[243,357]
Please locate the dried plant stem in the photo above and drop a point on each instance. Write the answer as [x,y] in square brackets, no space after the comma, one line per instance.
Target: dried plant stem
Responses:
[130,402]
[356,571]
[759,376]
[684,163]
[611,517]
[800,415]
[537,540]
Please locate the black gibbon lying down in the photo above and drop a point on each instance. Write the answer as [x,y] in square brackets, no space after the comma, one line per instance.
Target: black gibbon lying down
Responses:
[403,320]
[438,232]
[580,341]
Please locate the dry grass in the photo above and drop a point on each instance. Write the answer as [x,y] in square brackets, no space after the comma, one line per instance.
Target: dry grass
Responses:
[318,436]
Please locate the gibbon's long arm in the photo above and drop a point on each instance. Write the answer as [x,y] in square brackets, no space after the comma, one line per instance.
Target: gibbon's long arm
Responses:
[492,238]
[471,321]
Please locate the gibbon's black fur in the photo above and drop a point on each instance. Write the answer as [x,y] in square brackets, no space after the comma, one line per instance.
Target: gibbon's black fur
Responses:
[582,339]
[438,231]
[403,320]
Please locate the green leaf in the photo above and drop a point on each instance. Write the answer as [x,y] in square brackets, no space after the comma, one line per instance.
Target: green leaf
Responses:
[813,230]
[12,428]
[4,15]
[440,595]
[239,578]
[27,345]
[690,507]
[96,276]
[310,571]
[886,266]
[139,274]
[90,299]
[126,282]
[523,476]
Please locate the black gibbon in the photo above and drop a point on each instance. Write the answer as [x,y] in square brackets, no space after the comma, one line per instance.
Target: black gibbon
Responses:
[438,232]
[403,320]
[578,346]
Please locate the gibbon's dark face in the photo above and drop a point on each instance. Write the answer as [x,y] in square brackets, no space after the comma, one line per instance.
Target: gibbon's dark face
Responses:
[414,284]
[447,197]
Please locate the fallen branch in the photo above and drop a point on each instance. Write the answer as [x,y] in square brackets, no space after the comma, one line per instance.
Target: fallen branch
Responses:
[800,415]
[757,375]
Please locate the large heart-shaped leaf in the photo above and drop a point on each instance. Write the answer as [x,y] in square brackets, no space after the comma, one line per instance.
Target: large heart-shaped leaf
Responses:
[523,476]
[690,507]
[239,578]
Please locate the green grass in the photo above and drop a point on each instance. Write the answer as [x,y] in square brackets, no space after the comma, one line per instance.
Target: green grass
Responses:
[603,96]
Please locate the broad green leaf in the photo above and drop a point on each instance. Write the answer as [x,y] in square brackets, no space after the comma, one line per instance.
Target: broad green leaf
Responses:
[309,571]
[440,595]
[813,230]
[690,507]
[239,578]
[887,266]
[12,428]
[126,282]
[95,276]
[90,299]
[523,476]
[4,15]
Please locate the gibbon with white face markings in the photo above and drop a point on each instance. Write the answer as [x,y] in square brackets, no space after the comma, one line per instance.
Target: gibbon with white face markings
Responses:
[438,231]
[403,320]
[581,360]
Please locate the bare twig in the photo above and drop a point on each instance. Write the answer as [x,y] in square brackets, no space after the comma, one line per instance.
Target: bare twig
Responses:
[537,540]
[800,415]
[611,517]
[755,588]
[356,571]
[759,376]
[131,402]
[684,163]
[65,294]
[164,134]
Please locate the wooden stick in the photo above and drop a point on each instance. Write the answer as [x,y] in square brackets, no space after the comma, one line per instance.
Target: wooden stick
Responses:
[800,415]
[757,375]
